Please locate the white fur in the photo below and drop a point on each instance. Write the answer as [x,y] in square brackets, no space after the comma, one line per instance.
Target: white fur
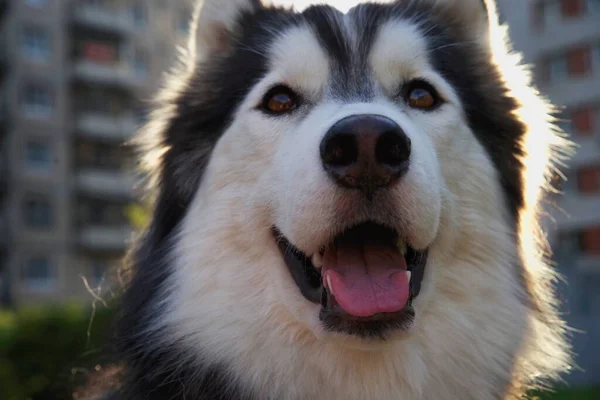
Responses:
[232,300]
[212,19]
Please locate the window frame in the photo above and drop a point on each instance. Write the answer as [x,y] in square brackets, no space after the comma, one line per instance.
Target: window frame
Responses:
[29,221]
[37,284]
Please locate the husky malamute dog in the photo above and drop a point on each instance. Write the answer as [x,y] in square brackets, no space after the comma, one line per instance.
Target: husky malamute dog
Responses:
[345,208]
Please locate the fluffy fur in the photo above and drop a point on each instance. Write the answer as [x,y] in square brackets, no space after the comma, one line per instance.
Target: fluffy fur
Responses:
[212,312]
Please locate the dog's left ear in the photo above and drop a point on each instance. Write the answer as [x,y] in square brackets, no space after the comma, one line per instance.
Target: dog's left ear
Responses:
[215,24]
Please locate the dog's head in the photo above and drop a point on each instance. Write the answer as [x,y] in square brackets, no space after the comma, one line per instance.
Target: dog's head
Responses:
[344,179]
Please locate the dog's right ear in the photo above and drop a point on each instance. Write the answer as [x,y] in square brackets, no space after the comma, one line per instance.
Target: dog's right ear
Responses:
[214,24]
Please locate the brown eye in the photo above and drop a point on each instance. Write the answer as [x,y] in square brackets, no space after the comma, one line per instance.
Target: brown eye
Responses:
[422,96]
[280,100]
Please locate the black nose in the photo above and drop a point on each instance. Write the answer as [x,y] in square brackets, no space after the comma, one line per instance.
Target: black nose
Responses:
[365,152]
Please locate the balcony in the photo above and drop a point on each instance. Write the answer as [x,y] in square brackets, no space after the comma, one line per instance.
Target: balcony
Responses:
[117,75]
[4,57]
[105,238]
[106,184]
[102,19]
[4,231]
[589,264]
[105,127]
[3,175]
[587,151]
[3,115]
[3,7]
[576,211]
[571,92]
[560,33]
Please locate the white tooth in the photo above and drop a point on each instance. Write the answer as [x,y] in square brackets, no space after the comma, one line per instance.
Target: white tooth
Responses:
[402,246]
[317,260]
[408,275]
[329,285]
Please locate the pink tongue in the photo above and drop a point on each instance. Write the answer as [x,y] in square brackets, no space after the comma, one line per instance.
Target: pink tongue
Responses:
[366,279]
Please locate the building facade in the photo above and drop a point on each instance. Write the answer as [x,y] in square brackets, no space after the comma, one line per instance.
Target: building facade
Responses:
[74,75]
[561,39]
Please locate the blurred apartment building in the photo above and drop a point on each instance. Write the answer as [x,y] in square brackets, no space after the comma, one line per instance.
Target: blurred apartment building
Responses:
[561,38]
[72,73]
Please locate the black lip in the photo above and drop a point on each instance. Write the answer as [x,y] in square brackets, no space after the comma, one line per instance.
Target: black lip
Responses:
[309,281]
[306,276]
[375,327]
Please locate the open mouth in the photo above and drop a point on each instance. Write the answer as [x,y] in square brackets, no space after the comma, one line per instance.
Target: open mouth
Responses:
[365,279]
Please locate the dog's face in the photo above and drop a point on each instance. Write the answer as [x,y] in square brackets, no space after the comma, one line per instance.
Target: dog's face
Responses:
[341,181]
[349,140]
[350,161]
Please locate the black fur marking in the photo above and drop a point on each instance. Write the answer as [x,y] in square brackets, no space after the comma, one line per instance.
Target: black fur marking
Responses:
[458,59]
[376,329]
[351,78]
[203,111]
[155,367]
[488,107]
[469,70]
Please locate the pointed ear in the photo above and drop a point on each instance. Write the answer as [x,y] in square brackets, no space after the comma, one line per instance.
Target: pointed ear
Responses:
[215,22]
[473,16]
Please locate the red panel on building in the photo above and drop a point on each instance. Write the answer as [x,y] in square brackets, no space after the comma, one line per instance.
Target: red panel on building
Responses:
[583,121]
[572,8]
[590,241]
[98,52]
[578,61]
[588,180]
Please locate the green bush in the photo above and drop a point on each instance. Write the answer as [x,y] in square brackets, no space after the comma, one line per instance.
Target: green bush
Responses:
[570,394]
[46,352]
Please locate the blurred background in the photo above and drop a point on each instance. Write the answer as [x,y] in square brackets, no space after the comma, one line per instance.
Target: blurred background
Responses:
[75,80]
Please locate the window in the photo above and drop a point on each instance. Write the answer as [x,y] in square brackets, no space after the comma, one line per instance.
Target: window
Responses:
[582,121]
[578,61]
[575,62]
[36,3]
[574,244]
[590,241]
[557,69]
[37,101]
[140,17]
[183,23]
[588,180]
[567,246]
[98,51]
[106,157]
[550,12]
[596,53]
[537,13]
[96,3]
[586,294]
[572,8]
[564,121]
[101,213]
[38,213]
[593,6]
[38,274]
[568,184]
[38,155]
[140,116]
[100,102]
[140,64]
[35,44]
[98,271]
